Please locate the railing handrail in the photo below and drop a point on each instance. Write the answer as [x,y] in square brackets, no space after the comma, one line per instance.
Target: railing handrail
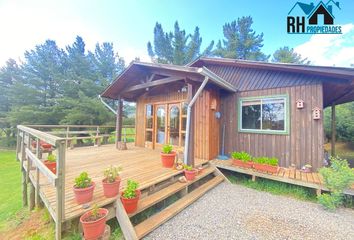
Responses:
[73,126]
[49,138]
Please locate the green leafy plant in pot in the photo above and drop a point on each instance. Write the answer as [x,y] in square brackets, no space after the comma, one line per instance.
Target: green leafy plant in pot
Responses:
[130,196]
[189,172]
[51,163]
[83,188]
[242,159]
[94,222]
[168,156]
[265,164]
[111,181]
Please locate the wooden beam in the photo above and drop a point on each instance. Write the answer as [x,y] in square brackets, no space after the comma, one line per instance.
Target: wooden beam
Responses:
[119,123]
[333,126]
[190,159]
[152,84]
[60,189]
[124,222]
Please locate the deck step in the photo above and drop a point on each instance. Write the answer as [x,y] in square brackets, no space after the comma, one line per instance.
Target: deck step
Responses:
[158,219]
[164,193]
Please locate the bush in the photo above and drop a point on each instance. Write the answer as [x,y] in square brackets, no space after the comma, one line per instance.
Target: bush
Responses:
[338,177]
[8,142]
[243,156]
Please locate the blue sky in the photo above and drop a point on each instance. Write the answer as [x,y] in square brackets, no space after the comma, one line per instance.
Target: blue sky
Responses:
[129,25]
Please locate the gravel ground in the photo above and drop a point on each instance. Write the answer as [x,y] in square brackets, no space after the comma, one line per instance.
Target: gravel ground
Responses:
[236,212]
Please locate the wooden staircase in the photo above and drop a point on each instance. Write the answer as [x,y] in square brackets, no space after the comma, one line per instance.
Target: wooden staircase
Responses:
[187,193]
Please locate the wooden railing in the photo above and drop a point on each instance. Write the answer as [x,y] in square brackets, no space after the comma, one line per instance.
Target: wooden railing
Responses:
[29,153]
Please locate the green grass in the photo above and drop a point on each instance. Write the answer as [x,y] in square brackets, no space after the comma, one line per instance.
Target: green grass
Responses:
[277,188]
[10,193]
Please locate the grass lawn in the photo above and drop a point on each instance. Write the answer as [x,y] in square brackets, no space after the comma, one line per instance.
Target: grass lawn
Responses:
[10,194]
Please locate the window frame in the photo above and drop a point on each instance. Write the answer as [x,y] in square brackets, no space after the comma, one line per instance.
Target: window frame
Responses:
[261,99]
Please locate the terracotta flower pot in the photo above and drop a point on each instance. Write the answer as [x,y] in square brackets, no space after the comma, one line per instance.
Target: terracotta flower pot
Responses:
[130,204]
[52,166]
[94,229]
[42,143]
[111,189]
[168,159]
[272,169]
[84,195]
[190,175]
[240,163]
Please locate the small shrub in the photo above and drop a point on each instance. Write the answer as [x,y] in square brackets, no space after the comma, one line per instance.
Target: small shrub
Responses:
[51,158]
[338,177]
[130,189]
[167,149]
[111,173]
[83,181]
[330,201]
[243,156]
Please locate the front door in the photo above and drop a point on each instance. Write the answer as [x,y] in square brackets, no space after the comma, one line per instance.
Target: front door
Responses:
[173,127]
[161,126]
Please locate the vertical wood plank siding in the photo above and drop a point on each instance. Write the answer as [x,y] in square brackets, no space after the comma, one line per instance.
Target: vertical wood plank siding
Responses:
[303,144]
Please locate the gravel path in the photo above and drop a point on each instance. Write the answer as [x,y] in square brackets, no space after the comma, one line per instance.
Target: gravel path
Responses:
[236,212]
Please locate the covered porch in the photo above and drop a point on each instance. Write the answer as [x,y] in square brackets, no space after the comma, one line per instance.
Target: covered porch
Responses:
[176,105]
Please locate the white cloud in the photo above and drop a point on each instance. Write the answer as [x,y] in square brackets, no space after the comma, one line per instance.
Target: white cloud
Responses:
[330,50]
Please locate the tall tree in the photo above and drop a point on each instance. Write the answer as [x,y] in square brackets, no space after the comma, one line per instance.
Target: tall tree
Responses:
[241,41]
[176,47]
[287,55]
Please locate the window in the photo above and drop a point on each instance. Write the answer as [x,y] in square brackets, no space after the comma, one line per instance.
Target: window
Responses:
[149,113]
[264,115]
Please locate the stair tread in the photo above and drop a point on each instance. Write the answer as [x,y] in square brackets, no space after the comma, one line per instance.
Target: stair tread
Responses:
[164,193]
[156,220]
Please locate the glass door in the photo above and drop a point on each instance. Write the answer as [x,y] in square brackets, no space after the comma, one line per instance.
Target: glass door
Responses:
[174,124]
[160,137]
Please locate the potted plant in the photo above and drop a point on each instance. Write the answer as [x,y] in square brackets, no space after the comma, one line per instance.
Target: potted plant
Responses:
[111,181]
[83,188]
[266,164]
[94,222]
[130,196]
[189,172]
[51,163]
[242,159]
[307,168]
[168,156]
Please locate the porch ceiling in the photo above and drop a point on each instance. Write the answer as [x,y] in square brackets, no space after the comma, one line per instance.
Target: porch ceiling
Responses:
[140,76]
[337,93]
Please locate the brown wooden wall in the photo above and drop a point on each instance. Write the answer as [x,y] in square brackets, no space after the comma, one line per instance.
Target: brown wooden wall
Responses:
[303,144]
[206,138]
[207,127]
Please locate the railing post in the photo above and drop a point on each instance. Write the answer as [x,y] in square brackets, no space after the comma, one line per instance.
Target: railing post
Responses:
[37,174]
[60,188]
[28,161]
[18,144]
[24,183]
[67,135]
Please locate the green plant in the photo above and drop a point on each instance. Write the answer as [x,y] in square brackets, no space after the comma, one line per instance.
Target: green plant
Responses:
[260,160]
[83,180]
[112,173]
[51,158]
[129,191]
[243,156]
[188,167]
[167,149]
[338,177]
[272,161]
[94,211]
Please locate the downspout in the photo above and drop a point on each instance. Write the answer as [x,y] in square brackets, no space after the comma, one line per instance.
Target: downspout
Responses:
[104,103]
[188,124]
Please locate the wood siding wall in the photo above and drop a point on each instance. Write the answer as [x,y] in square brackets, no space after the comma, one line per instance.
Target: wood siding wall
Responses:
[303,144]
[206,137]
[207,127]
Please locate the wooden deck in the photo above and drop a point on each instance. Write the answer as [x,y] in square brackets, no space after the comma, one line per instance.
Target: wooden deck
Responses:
[140,164]
[292,176]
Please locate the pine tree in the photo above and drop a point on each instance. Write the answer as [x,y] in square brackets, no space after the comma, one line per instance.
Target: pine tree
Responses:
[241,41]
[176,47]
[287,55]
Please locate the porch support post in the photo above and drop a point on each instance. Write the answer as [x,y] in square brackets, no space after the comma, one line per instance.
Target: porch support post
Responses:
[189,143]
[333,126]
[119,124]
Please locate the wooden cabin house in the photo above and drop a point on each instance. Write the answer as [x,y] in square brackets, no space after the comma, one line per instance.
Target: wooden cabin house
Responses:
[266,109]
